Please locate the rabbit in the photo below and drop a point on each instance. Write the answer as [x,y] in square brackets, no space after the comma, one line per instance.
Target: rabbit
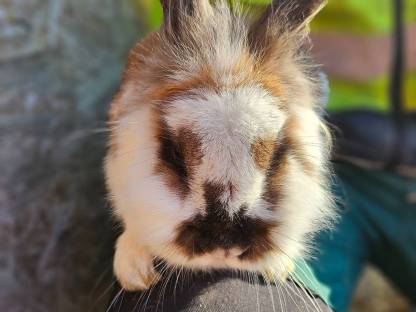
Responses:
[218,156]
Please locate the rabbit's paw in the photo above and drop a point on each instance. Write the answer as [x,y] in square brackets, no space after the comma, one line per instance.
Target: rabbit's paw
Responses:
[278,269]
[133,265]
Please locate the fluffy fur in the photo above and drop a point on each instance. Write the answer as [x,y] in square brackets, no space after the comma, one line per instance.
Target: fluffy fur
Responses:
[216,126]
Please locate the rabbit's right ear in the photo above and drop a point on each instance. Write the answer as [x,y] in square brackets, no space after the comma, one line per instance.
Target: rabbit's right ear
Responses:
[292,15]
[287,18]
[176,12]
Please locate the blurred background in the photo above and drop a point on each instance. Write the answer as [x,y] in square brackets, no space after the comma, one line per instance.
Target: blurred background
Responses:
[60,63]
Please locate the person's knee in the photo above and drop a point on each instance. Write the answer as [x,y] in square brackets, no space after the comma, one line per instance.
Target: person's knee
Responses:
[221,292]
[232,295]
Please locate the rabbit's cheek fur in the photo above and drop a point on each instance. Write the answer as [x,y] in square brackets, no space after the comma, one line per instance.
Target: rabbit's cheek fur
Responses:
[142,198]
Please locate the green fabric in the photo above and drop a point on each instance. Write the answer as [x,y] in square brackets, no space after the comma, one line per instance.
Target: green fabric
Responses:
[372,95]
[355,16]
[350,95]
[410,91]
[304,275]
[410,11]
[377,225]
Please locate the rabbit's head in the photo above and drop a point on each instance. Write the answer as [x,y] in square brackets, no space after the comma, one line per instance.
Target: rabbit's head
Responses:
[218,156]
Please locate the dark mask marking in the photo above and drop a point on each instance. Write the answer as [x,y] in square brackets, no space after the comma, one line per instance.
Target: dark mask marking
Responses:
[216,229]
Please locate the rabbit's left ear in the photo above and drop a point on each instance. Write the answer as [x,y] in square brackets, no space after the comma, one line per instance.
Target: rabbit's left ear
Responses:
[175,12]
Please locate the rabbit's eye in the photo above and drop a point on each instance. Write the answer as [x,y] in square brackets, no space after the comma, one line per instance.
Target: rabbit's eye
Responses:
[177,158]
[174,159]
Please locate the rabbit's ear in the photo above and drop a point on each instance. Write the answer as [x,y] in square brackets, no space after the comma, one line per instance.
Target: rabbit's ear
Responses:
[176,11]
[292,14]
[285,17]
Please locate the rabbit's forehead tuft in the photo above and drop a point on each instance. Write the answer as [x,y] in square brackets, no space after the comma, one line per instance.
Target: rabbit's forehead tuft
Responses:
[239,116]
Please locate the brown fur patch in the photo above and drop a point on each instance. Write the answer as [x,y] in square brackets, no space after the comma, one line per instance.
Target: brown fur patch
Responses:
[298,147]
[272,83]
[262,151]
[191,147]
[172,89]
[289,144]
[277,172]
[216,229]
[174,175]
[261,242]
[178,155]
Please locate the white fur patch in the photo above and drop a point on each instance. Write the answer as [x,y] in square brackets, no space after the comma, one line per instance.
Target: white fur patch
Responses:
[141,199]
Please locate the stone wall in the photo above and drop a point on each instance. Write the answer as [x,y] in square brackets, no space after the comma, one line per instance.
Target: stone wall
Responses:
[60,62]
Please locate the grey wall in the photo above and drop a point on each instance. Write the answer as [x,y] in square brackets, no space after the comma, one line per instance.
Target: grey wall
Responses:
[60,62]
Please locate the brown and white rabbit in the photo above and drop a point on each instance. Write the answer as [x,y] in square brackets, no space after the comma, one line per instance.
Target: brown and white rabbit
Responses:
[218,158]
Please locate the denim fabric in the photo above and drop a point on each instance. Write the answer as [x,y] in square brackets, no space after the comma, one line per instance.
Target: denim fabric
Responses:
[377,225]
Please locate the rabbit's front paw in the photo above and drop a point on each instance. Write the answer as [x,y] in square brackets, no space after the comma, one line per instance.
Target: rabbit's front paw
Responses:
[133,265]
[279,268]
